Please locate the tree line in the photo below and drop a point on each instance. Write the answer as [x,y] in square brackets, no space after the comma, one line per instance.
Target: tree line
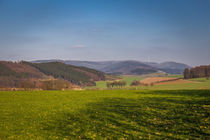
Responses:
[197,72]
[118,84]
[27,84]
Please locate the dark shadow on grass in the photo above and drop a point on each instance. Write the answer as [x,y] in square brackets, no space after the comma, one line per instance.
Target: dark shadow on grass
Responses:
[116,118]
[195,93]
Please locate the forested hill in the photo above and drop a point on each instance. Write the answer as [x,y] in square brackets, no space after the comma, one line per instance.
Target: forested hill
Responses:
[127,66]
[19,70]
[74,74]
[18,75]
[52,75]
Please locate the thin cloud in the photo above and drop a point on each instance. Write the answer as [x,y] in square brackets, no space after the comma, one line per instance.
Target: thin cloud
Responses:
[78,46]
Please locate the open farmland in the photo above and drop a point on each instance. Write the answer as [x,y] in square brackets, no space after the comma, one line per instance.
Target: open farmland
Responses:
[110,114]
[127,78]
[180,84]
[157,80]
[166,82]
[176,81]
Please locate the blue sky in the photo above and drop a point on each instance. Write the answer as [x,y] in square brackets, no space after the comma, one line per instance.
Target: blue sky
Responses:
[96,30]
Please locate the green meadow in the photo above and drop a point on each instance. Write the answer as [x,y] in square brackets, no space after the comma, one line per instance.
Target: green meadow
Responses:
[105,114]
[196,83]
[130,78]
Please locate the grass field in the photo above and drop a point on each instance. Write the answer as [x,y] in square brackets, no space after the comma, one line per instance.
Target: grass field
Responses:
[130,78]
[197,83]
[127,78]
[100,114]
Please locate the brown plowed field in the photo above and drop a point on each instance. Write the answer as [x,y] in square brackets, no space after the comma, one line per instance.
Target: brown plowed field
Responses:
[164,80]
[178,81]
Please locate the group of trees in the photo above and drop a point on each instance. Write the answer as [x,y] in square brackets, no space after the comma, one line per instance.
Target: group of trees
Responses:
[135,83]
[197,72]
[138,83]
[118,84]
[57,84]
[29,83]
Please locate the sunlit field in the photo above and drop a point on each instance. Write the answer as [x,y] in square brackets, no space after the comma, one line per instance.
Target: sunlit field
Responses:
[110,114]
[104,69]
[127,78]
[196,83]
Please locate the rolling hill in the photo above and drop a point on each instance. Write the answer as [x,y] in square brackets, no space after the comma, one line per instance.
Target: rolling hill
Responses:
[74,74]
[129,67]
[46,75]
[19,69]
[18,75]
[111,67]
[170,67]
[126,67]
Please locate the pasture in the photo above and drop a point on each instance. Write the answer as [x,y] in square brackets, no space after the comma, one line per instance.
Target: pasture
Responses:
[130,78]
[197,83]
[182,84]
[127,78]
[105,114]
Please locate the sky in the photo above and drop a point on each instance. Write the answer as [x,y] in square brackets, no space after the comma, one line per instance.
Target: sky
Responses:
[98,30]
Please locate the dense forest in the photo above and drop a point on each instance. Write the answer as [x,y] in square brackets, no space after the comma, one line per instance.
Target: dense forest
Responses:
[73,74]
[197,72]
[143,71]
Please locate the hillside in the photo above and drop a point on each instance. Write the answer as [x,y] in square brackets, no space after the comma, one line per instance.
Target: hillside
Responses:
[74,74]
[111,67]
[170,67]
[126,67]
[129,67]
[52,75]
[97,65]
[20,69]
[18,75]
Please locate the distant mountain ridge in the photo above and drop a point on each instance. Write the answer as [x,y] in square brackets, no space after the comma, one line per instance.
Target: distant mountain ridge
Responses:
[170,67]
[126,67]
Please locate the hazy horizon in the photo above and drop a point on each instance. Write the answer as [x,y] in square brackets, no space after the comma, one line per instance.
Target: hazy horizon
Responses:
[101,30]
[33,60]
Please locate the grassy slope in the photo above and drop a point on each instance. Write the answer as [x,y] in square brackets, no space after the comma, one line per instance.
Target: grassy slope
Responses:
[175,76]
[200,79]
[98,114]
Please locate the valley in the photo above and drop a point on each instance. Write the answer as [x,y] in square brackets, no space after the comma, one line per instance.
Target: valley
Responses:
[104,70]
